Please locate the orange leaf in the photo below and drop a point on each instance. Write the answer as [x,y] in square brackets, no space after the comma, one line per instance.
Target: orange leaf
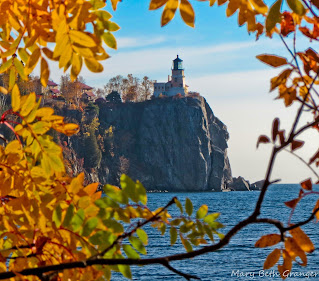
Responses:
[294,250]
[272,60]
[272,259]
[91,188]
[155,4]
[187,12]
[292,203]
[268,240]
[296,144]
[262,139]
[285,268]
[302,240]
[307,184]
[315,208]
[169,11]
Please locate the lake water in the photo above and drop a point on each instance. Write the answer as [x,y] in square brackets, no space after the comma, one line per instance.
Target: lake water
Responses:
[239,256]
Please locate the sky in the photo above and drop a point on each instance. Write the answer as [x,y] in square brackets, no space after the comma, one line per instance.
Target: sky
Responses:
[219,61]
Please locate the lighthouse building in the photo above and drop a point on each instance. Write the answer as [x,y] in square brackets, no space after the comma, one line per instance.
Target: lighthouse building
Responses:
[175,84]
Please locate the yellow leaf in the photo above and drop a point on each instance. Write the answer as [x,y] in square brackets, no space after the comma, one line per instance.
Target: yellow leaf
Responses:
[33,60]
[3,90]
[272,259]
[114,4]
[76,66]
[65,56]
[169,11]
[302,240]
[20,69]
[45,72]
[5,65]
[15,98]
[93,65]
[268,240]
[12,78]
[294,250]
[187,13]
[82,38]
[28,105]
[155,4]
[44,112]
[272,60]
[260,6]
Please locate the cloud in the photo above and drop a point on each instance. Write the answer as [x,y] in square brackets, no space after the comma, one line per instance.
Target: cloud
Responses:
[138,42]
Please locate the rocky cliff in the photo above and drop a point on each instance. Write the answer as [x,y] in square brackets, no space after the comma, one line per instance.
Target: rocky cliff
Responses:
[174,144]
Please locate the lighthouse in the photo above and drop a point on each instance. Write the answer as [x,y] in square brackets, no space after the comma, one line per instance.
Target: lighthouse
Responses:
[176,82]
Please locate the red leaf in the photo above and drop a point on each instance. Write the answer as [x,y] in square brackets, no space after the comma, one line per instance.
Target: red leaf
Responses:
[307,184]
[262,139]
[296,144]
[287,24]
[275,129]
[314,157]
[281,136]
[292,203]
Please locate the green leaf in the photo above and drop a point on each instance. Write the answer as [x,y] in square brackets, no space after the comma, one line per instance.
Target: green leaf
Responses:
[128,187]
[188,247]
[297,7]
[68,216]
[57,216]
[77,220]
[111,26]
[102,237]
[125,270]
[202,212]
[114,225]
[211,218]
[109,40]
[189,206]
[130,252]
[273,16]
[137,244]
[141,193]
[142,235]
[179,205]
[115,193]
[173,234]
[89,226]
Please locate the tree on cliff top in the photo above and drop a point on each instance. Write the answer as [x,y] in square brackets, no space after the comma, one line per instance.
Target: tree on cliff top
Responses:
[55,228]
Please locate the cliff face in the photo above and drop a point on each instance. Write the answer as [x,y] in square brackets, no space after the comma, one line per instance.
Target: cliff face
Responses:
[167,144]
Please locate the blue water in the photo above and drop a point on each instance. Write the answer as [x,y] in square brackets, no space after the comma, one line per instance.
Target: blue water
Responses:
[239,256]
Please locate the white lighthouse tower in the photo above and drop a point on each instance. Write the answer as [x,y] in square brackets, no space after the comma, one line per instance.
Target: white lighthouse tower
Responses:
[176,82]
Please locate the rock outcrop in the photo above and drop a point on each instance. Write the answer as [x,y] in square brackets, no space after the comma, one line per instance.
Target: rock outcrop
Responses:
[239,184]
[173,144]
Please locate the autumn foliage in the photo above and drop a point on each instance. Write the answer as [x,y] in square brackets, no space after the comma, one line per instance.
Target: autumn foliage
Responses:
[53,227]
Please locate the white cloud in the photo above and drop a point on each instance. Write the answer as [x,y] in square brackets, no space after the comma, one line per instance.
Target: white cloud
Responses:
[134,42]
